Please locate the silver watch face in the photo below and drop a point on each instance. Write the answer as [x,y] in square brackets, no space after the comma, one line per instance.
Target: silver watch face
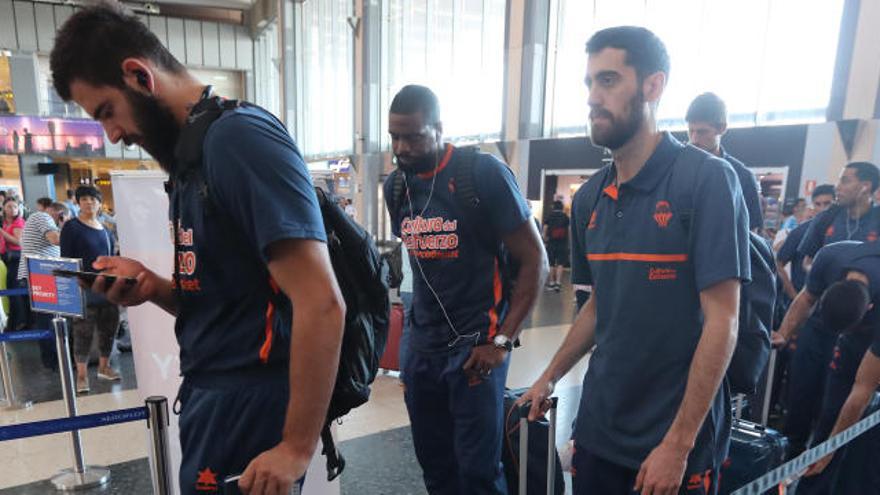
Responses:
[501,340]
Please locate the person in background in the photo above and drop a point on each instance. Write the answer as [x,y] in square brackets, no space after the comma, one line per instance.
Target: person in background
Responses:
[707,122]
[350,210]
[13,225]
[72,207]
[556,239]
[787,257]
[41,237]
[43,204]
[854,218]
[86,238]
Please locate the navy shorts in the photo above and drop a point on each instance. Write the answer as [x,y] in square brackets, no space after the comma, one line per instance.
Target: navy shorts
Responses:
[226,420]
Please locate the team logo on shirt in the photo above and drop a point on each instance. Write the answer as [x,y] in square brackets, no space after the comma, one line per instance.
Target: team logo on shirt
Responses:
[872,236]
[662,274]
[430,238]
[662,214]
[592,224]
[830,231]
[207,481]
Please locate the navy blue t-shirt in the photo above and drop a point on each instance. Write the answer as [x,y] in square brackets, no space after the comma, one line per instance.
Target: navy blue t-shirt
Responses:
[78,240]
[842,228]
[751,190]
[230,314]
[831,265]
[449,262]
[634,249]
[788,253]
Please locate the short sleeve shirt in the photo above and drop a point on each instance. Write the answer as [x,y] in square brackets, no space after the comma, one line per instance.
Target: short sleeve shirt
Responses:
[34,241]
[788,253]
[633,247]
[841,228]
[751,190]
[454,273]
[253,189]
[557,227]
[10,227]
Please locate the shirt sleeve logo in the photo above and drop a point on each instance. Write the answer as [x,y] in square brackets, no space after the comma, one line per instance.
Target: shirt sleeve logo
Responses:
[662,214]
[830,231]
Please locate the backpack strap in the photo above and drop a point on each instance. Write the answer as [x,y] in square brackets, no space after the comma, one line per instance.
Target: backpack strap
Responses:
[592,191]
[469,200]
[685,175]
[398,191]
[335,461]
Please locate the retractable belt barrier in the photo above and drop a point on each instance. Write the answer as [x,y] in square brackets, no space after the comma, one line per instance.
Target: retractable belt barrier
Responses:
[155,412]
[793,469]
[23,335]
[13,292]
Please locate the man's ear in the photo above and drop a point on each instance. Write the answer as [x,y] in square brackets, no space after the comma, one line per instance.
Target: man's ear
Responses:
[653,85]
[138,75]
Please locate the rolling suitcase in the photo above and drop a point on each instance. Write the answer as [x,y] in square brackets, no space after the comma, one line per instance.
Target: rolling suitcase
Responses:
[527,465]
[754,449]
[391,357]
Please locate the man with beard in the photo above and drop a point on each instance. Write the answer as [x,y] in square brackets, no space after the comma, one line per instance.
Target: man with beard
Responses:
[464,316]
[655,409]
[257,376]
[707,122]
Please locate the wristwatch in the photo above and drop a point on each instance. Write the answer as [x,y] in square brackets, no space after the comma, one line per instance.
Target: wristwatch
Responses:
[503,342]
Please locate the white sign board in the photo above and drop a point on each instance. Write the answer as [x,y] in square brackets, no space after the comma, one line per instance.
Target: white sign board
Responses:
[145,235]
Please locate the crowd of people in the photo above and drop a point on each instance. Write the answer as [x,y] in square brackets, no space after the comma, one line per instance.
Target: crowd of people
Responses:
[661,324]
[78,228]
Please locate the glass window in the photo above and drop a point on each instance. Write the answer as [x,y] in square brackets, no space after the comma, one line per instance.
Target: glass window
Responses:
[772,61]
[456,48]
[267,70]
[327,77]
[7,101]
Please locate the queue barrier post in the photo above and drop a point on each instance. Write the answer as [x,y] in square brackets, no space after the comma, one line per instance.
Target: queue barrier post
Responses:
[80,476]
[158,423]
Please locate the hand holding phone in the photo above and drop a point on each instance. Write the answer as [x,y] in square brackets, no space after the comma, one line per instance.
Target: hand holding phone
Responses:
[89,277]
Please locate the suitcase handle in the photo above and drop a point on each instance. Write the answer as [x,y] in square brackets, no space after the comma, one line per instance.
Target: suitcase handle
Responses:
[524,447]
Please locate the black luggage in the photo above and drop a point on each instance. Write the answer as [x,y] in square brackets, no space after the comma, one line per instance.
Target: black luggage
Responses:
[524,453]
[754,449]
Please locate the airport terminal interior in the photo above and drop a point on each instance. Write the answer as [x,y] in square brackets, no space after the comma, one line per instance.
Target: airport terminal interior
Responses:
[797,83]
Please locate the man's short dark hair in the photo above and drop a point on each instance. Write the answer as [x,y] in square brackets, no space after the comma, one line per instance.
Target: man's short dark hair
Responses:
[868,172]
[88,191]
[708,108]
[45,202]
[60,208]
[412,99]
[822,190]
[557,205]
[70,194]
[645,52]
[844,304]
[94,41]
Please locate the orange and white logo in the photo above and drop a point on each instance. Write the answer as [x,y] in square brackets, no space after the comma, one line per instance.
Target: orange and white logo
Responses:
[872,236]
[662,214]
[830,231]
[592,224]
[662,274]
[207,481]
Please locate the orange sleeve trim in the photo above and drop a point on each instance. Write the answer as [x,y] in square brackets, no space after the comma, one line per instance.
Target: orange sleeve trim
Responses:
[443,163]
[266,348]
[650,258]
[611,191]
[496,300]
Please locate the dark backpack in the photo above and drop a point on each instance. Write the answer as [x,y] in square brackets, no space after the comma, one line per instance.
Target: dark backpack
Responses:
[394,259]
[469,202]
[361,274]
[757,298]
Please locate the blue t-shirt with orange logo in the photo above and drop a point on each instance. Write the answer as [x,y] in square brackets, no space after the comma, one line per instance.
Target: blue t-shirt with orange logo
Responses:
[457,284]
[254,190]
[842,228]
[647,267]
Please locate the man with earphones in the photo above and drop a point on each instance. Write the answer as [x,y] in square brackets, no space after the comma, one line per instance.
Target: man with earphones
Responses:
[257,376]
[477,266]
[853,218]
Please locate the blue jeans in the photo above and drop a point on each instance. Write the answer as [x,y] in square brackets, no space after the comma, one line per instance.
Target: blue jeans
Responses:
[457,422]
[406,298]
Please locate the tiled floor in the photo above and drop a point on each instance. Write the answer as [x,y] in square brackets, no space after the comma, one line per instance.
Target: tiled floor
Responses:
[378,426]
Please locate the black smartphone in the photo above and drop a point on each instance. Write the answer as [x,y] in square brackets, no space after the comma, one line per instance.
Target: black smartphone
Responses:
[89,277]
